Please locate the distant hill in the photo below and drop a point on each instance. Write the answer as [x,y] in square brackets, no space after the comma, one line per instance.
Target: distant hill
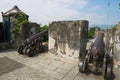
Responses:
[102,26]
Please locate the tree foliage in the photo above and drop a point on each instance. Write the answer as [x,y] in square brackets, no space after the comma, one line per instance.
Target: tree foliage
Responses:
[21,19]
[91,31]
[45,27]
[42,28]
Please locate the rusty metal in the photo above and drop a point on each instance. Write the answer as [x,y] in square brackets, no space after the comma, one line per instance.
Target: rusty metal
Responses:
[97,59]
[31,46]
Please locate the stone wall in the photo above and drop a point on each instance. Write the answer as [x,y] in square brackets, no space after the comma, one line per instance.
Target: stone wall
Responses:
[117,52]
[118,31]
[29,29]
[68,38]
[18,40]
[118,26]
[1,32]
[117,43]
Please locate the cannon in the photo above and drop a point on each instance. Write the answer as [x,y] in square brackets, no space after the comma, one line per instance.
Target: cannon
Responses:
[97,58]
[33,45]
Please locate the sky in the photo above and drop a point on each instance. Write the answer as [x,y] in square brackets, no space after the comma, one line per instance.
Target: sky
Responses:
[46,11]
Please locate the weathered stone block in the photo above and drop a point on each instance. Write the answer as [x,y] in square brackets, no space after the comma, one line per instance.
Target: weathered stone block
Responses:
[18,40]
[29,29]
[117,50]
[68,37]
[118,26]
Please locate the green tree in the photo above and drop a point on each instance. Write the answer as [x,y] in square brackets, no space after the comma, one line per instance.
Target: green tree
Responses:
[45,27]
[91,31]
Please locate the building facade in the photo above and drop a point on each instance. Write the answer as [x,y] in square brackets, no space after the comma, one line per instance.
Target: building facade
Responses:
[10,20]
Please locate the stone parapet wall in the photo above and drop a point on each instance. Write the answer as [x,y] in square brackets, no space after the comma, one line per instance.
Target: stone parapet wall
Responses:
[29,29]
[117,55]
[118,26]
[68,38]
[117,43]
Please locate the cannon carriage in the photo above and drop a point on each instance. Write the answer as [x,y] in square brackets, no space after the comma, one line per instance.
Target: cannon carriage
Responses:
[98,58]
[33,45]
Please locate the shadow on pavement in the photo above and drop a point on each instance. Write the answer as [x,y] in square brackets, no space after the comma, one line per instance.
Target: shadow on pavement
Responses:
[88,72]
[8,65]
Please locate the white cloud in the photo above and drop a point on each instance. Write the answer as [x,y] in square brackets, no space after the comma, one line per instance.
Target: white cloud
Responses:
[46,11]
[95,8]
[95,18]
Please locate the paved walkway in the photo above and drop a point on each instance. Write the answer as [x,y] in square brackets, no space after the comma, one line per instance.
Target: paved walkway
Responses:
[45,66]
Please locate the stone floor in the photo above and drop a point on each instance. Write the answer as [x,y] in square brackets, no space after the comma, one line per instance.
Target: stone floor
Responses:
[44,66]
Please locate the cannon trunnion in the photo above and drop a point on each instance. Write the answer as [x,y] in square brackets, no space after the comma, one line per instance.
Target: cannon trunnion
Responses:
[97,58]
[33,45]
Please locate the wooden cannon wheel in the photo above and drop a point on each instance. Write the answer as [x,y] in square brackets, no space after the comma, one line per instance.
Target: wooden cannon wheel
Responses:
[20,49]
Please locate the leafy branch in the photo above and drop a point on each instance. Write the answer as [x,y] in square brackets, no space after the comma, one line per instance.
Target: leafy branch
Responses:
[21,20]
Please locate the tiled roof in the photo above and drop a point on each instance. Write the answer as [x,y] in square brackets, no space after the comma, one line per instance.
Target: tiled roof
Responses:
[15,9]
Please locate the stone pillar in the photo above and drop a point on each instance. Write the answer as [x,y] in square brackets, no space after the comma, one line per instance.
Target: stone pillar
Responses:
[117,43]
[29,29]
[34,28]
[25,31]
[119,36]
[117,52]
[68,38]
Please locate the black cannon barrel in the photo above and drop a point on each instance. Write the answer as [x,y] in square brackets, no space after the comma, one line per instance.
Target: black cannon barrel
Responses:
[28,40]
[98,59]
[99,40]
[98,46]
